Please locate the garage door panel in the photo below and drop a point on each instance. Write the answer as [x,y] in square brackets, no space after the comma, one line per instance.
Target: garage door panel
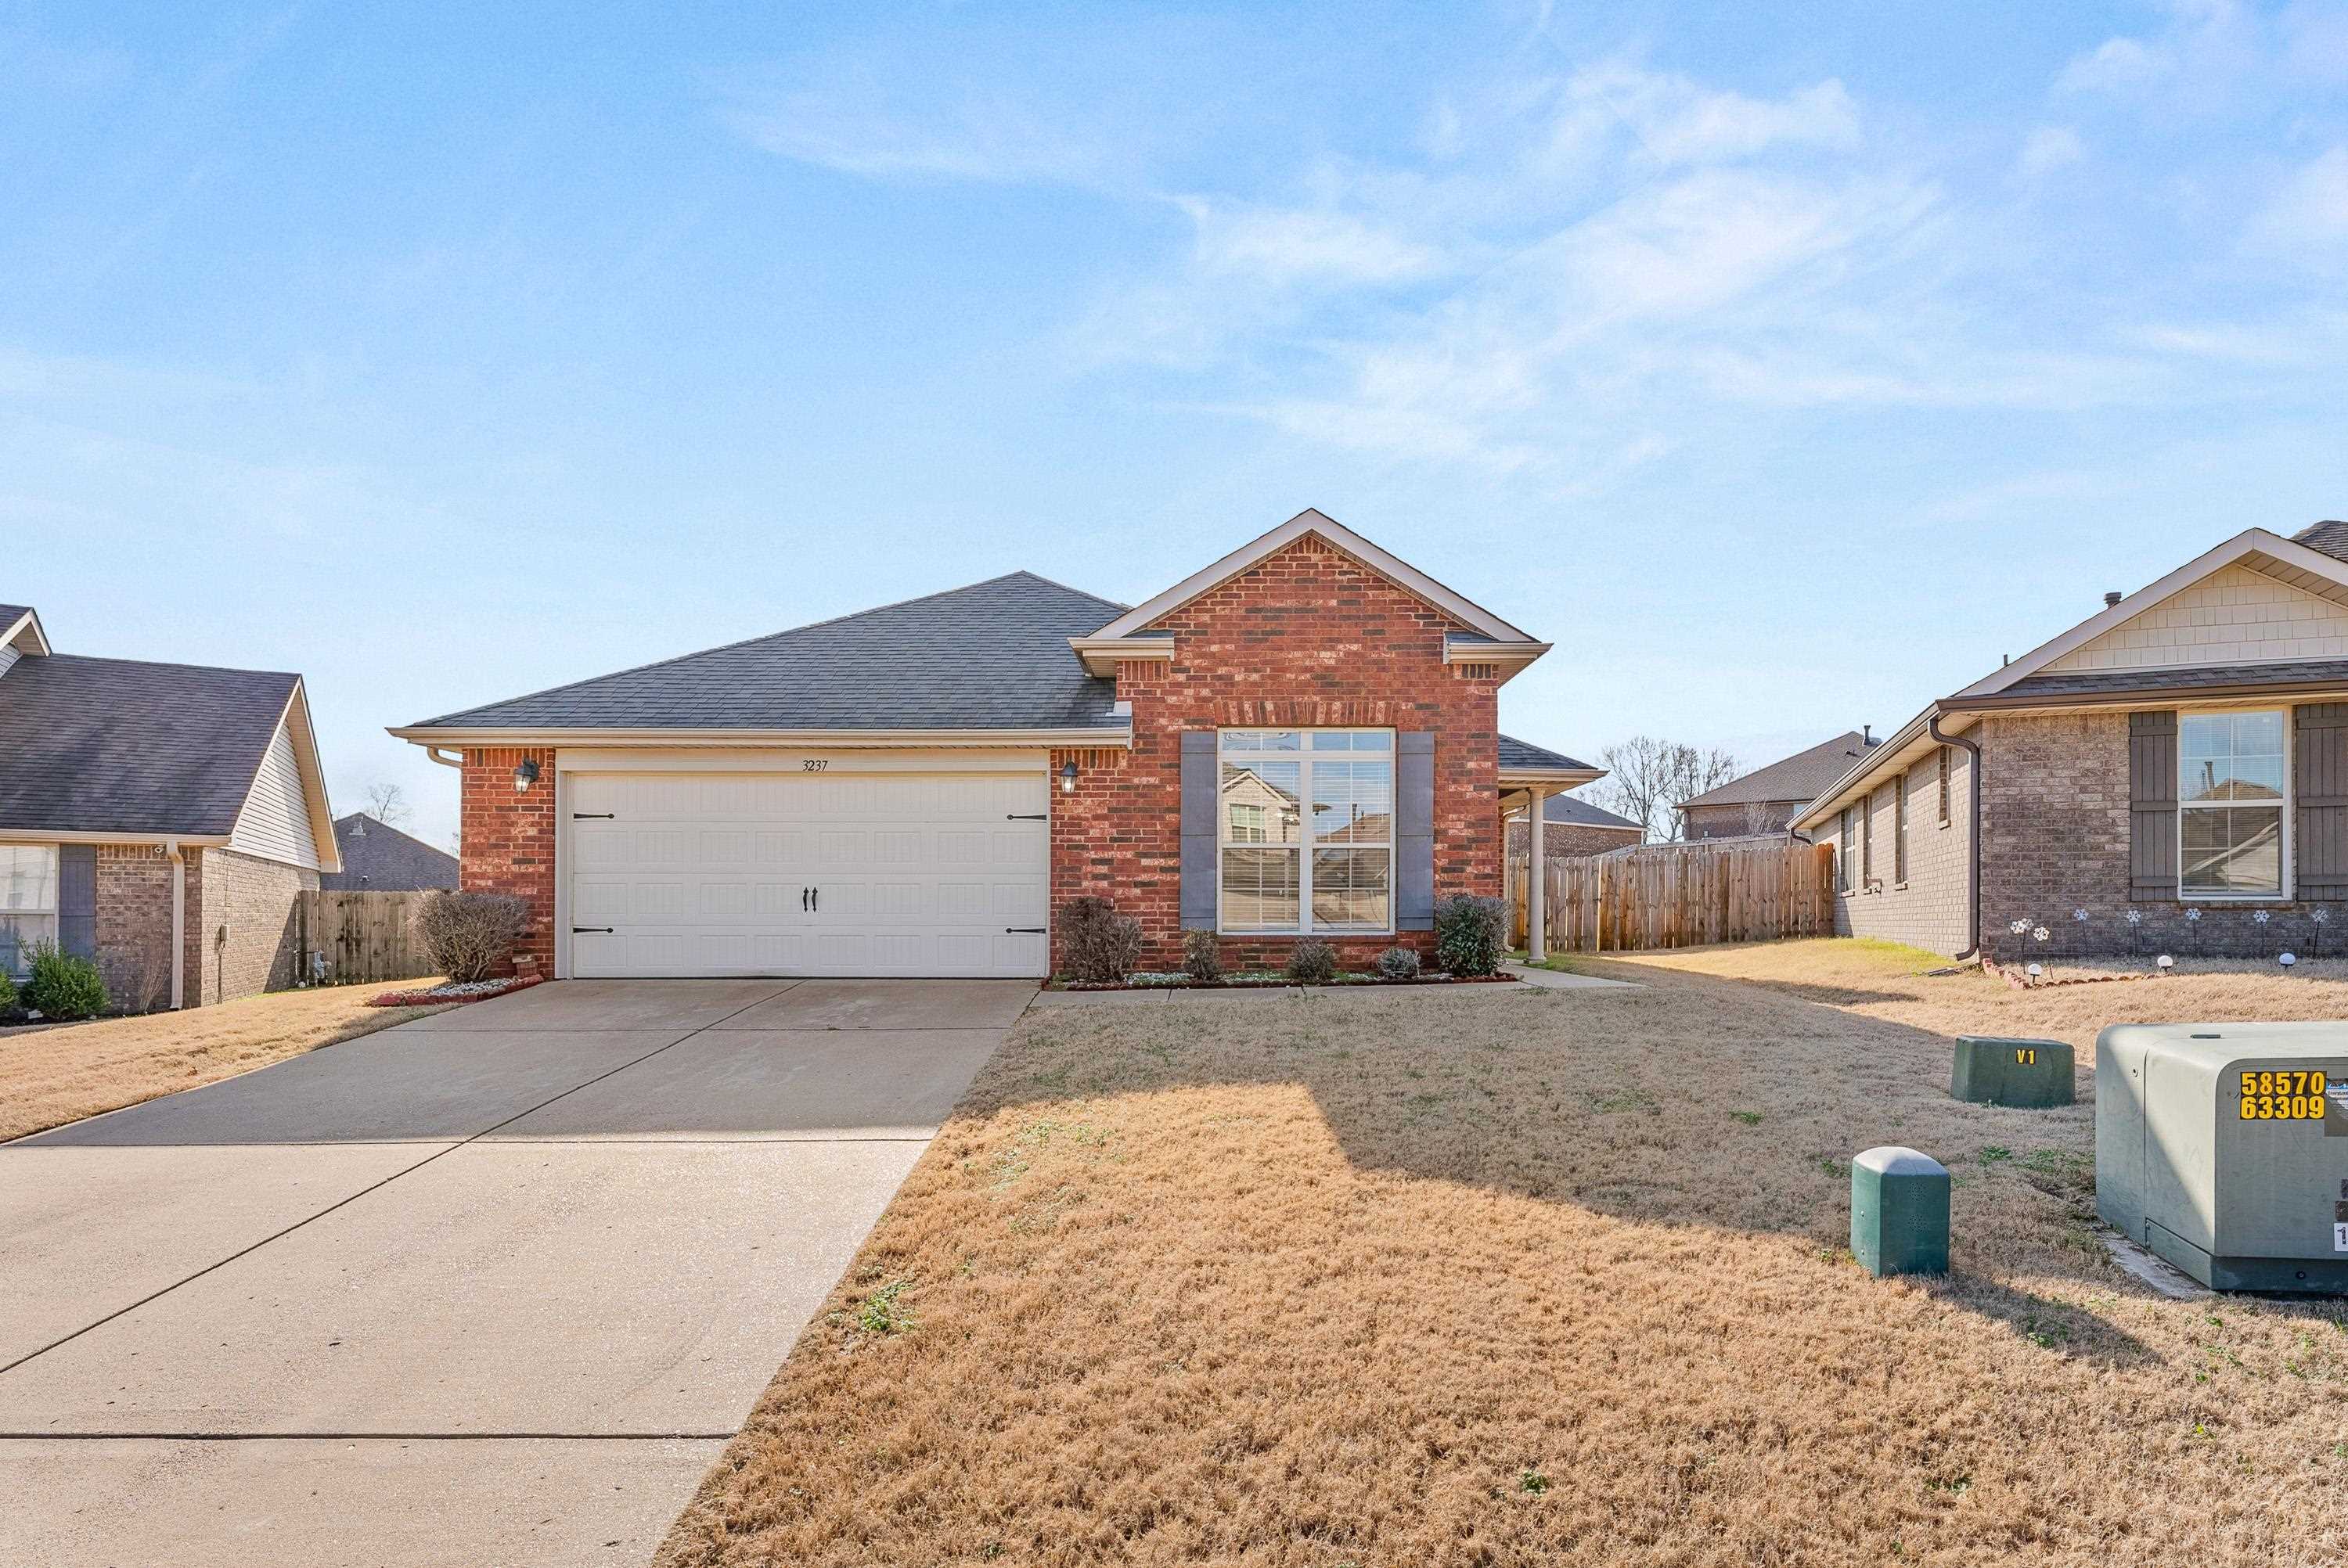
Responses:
[915,874]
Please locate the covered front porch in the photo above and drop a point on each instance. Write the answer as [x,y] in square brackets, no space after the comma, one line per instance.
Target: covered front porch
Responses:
[1528,775]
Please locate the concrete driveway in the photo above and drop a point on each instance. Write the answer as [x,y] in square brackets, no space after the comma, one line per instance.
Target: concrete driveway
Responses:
[492,1288]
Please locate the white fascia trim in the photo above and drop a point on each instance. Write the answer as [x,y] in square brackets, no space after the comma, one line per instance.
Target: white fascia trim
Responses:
[156,840]
[27,630]
[1311,521]
[2250,541]
[1103,654]
[1898,747]
[427,736]
[1456,652]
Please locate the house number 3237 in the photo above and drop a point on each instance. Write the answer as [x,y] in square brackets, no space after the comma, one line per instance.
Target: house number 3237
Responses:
[813,764]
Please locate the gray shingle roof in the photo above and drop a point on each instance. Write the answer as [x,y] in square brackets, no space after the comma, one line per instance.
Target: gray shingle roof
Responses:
[1517,753]
[991,656]
[1798,778]
[2102,683]
[2330,537]
[9,613]
[1572,808]
[112,745]
[384,860]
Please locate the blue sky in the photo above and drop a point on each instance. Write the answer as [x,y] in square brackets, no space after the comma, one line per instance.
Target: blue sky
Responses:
[1785,370]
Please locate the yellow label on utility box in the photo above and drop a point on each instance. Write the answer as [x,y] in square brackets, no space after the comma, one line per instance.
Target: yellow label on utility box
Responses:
[2283,1096]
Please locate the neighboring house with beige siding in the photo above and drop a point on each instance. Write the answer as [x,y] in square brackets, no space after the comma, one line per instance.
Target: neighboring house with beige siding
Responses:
[2170,775]
[157,818]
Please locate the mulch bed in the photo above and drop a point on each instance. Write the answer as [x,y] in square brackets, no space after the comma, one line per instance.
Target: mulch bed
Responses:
[466,991]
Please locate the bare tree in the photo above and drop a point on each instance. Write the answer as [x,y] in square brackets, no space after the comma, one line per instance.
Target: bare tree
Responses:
[387,804]
[1647,779]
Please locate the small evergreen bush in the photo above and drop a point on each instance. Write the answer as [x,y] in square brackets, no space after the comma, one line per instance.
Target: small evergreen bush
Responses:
[1203,957]
[1312,961]
[1468,935]
[62,986]
[7,993]
[1399,964]
[1102,946]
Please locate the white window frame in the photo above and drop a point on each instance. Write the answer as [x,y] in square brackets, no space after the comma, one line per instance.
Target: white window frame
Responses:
[2283,894]
[57,872]
[1304,844]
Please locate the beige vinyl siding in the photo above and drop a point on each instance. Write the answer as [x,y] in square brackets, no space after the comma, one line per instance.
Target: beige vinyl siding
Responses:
[2235,616]
[276,822]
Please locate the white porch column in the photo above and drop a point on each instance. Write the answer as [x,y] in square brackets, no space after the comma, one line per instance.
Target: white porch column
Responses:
[1536,881]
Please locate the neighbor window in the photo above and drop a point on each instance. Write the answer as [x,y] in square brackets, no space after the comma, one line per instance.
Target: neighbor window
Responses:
[1946,765]
[1843,863]
[1899,830]
[2231,800]
[1866,841]
[28,902]
[1305,819]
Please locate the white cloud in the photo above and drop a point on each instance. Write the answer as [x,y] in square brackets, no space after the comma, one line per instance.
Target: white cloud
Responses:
[1678,122]
[1283,246]
[2308,216]
[2118,64]
[2050,147]
[973,138]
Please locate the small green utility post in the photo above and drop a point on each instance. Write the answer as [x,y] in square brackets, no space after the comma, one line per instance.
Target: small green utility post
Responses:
[1900,1212]
[2027,1074]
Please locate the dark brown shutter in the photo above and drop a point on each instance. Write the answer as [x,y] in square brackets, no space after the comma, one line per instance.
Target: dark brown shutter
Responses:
[2319,794]
[2152,805]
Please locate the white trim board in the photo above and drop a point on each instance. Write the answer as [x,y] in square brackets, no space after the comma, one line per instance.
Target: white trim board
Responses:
[1311,521]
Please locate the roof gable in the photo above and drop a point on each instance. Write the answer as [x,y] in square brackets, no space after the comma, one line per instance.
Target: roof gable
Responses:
[379,857]
[2314,574]
[1798,778]
[1471,617]
[991,656]
[20,630]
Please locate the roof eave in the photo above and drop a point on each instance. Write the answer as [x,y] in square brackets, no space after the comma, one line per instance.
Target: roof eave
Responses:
[26,626]
[1564,778]
[1102,655]
[1885,751]
[558,735]
[2331,688]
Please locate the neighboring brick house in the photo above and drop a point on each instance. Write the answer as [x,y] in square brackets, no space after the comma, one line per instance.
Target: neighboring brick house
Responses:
[1300,739]
[143,801]
[379,859]
[1574,827]
[1764,800]
[2168,775]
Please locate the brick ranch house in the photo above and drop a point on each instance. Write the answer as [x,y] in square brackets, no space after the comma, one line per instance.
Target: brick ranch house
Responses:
[1300,739]
[157,818]
[2168,775]
[1572,828]
[1767,799]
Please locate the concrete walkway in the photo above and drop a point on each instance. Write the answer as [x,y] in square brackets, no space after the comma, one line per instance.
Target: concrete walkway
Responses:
[493,1287]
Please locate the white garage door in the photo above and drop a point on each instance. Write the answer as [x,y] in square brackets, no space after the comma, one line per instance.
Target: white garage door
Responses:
[808,874]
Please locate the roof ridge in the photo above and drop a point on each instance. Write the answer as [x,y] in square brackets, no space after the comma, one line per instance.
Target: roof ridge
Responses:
[174,664]
[762,637]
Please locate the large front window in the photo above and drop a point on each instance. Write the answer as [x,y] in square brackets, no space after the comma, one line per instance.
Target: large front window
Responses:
[2231,801]
[28,902]
[1306,821]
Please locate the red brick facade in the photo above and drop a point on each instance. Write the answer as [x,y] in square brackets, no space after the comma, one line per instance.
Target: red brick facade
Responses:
[1305,637]
[238,930]
[508,839]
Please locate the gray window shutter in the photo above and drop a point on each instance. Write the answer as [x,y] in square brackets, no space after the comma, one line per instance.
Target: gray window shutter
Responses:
[2152,805]
[1415,830]
[1199,792]
[77,899]
[2319,794]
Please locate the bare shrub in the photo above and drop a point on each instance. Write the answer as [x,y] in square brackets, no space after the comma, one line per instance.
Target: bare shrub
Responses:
[1101,946]
[1203,957]
[1312,961]
[471,936]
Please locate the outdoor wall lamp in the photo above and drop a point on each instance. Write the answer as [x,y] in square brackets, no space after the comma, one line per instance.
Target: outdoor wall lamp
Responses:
[1068,777]
[525,772]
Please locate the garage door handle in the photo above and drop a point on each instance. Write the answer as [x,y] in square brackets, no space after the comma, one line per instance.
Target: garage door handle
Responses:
[593,817]
[1022,930]
[1021,817]
[583,930]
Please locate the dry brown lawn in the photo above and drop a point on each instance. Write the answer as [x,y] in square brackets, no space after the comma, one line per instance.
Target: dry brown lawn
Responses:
[1455,1277]
[50,1075]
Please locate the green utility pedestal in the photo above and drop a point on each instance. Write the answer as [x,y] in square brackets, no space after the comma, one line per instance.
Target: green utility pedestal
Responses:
[2029,1074]
[1900,1212]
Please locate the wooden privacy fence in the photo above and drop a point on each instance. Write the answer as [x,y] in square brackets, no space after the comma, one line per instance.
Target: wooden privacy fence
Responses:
[355,937]
[1684,895]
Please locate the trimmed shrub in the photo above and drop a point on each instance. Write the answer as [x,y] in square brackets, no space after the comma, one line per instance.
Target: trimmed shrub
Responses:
[1399,963]
[62,986]
[8,992]
[1468,935]
[1312,961]
[1203,957]
[1101,945]
[471,936]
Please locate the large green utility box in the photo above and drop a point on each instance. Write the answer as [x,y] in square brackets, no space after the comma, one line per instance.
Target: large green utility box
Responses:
[2223,1147]
[2028,1074]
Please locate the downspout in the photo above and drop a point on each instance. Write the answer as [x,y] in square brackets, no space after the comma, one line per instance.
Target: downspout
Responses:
[1973,860]
[179,922]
